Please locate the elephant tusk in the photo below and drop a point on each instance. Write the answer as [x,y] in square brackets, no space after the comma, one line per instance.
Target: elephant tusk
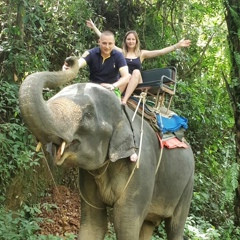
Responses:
[39,145]
[62,148]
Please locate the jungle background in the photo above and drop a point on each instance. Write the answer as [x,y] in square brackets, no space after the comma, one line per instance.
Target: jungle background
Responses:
[39,35]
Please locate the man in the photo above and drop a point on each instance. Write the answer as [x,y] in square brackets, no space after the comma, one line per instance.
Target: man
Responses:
[105,65]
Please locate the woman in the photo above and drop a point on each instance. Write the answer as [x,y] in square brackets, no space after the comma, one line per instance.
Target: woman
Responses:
[135,56]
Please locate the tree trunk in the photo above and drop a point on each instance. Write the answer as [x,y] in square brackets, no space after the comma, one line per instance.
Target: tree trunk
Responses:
[233,24]
[21,12]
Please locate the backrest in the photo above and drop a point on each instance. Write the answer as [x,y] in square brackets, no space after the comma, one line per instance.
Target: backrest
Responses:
[167,75]
[157,82]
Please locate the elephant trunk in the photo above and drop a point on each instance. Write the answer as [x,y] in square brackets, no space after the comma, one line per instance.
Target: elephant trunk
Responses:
[35,112]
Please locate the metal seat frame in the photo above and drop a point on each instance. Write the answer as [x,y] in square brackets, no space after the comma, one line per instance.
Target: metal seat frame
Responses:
[156,83]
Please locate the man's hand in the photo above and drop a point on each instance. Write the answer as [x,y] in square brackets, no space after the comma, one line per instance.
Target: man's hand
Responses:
[90,23]
[108,86]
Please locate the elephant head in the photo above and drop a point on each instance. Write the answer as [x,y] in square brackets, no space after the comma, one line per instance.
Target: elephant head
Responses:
[84,122]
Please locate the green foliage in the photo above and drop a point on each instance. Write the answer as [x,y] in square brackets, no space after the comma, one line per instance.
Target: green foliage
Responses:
[237,58]
[24,224]
[9,109]
[230,182]
[17,152]
[198,229]
[210,133]
[47,41]
[110,234]
[16,225]
[16,143]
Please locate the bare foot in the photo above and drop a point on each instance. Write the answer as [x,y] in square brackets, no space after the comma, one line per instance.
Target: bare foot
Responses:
[134,157]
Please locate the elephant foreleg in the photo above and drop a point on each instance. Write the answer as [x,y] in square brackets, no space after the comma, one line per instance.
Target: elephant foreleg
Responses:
[146,230]
[93,223]
[128,222]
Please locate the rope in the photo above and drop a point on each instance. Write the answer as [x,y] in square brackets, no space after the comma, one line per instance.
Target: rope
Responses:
[84,199]
[159,160]
[143,99]
[98,176]
[49,170]
[129,179]
[95,176]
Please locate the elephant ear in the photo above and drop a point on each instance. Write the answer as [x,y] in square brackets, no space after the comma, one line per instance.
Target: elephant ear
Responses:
[122,143]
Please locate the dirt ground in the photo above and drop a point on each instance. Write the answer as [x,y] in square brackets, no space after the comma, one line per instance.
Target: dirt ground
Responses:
[62,207]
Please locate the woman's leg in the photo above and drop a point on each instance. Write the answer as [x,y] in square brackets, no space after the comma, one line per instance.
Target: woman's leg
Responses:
[123,88]
[135,79]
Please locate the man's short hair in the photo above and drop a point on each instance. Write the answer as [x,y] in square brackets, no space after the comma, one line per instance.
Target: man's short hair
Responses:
[107,33]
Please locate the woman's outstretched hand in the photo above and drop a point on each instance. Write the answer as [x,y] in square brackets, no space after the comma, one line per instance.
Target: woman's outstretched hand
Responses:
[183,43]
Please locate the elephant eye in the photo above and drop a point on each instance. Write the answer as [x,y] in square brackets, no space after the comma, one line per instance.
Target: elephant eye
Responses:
[86,121]
[87,115]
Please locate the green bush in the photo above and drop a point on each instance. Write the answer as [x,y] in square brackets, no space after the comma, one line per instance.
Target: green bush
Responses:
[9,107]
[15,225]
[24,224]
[17,153]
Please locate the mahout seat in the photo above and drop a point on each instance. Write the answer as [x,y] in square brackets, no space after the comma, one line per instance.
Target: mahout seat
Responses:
[156,84]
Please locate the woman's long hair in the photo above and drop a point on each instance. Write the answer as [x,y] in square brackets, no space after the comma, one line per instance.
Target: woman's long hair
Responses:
[137,47]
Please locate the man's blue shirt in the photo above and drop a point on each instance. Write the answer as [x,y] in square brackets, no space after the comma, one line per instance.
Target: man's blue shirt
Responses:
[104,70]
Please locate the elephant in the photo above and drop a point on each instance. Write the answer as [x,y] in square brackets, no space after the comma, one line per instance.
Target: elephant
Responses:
[89,129]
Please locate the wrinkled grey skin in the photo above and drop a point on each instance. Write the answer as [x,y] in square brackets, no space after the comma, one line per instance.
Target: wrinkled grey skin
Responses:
[91,120]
